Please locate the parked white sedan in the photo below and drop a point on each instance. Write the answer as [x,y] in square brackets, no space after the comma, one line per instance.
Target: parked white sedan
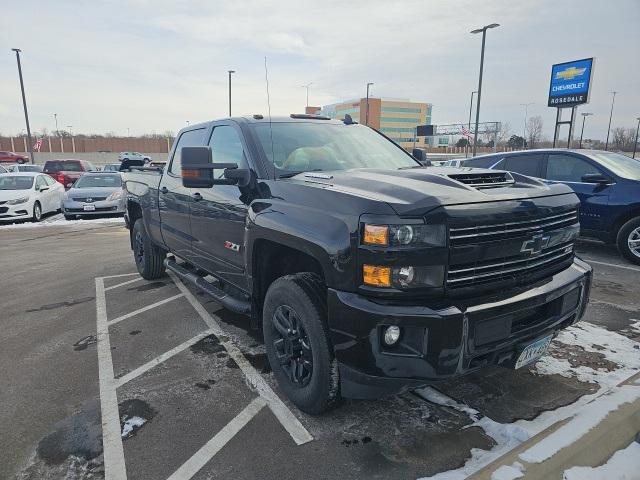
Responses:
[28,195]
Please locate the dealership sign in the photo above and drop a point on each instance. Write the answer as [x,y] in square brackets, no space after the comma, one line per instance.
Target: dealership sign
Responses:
[570,82]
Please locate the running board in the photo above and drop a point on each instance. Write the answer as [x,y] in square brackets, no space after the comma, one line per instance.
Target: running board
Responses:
[232,303]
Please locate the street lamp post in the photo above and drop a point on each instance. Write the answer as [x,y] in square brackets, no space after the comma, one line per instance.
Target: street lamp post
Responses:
[613,101]
[230,72]
[24,105]
[366,118]
[584,117]
[635,144]
[307,87]
[466,148]
[482,30]
[55,117]
[524,125]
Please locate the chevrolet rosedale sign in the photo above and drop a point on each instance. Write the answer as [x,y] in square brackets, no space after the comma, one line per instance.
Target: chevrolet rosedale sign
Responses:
[570,82]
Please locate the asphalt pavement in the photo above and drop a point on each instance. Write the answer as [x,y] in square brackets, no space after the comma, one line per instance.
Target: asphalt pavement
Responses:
[156,379]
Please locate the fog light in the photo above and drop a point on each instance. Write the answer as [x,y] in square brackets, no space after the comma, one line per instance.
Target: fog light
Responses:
[391,335]
[405,276]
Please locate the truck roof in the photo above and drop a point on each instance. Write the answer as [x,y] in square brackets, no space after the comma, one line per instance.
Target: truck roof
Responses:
[259,118]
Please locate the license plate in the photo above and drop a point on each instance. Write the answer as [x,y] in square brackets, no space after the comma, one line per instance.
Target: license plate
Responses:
[89,208]
[534,351]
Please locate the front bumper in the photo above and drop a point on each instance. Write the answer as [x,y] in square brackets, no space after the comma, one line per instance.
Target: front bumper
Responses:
[448,340]
[103,207]
[16,212]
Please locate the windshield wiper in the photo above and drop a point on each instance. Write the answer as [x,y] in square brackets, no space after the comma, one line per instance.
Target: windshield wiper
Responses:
[293,174]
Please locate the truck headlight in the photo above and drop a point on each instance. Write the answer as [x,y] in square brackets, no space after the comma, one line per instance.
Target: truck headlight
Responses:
[408,235]
[17,201]
[404,278]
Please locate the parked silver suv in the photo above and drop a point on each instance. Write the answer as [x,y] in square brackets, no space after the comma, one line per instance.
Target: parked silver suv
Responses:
[133,156]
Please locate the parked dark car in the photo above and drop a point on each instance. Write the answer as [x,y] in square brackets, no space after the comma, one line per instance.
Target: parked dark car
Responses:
[67,171]
[368,272]
[607,183]
[12,157]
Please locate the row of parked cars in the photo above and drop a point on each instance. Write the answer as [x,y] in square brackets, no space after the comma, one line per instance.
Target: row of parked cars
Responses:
[74,187]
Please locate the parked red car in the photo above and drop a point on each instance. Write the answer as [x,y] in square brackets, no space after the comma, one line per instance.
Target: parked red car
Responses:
[67,171]
[12,157]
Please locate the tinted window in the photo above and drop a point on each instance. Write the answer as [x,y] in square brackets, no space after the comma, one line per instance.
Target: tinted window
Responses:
[528,164]
[481,162]
[97,181]
[226,147]
[567,168]
[53,166]
[28,168]
[13,182]
[192,138]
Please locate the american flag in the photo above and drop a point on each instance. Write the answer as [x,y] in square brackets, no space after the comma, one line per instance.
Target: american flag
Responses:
[465,132]
[38,145]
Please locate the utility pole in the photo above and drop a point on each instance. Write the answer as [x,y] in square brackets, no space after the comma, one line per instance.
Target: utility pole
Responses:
[24,104]
[466,148]
[366,118]
[635,144]
[230,72]
[584,117]
[613,101]
[307,87]
[482,30]
[524,126]
[55,117]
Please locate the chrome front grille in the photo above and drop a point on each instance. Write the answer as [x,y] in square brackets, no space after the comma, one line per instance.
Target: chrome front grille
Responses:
[88,199]
[501,231]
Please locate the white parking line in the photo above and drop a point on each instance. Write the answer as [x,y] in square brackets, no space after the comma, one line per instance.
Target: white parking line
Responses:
[213,446]
[118,276]
[289,421]
[114,465]
[626,267]
[158,360]
[144,309]
[122,284]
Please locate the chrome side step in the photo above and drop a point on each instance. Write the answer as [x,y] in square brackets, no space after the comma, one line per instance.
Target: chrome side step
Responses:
[232,303]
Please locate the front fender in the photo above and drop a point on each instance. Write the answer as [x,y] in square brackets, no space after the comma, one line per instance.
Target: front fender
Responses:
[327,237]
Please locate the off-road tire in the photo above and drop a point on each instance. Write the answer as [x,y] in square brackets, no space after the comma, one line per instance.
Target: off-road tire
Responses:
[305,294]
[148,257]
[623,240]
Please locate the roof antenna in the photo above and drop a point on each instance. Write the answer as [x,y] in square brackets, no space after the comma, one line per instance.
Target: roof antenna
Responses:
[266,79]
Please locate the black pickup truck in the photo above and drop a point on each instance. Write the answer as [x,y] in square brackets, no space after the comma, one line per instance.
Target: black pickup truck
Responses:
[367,272]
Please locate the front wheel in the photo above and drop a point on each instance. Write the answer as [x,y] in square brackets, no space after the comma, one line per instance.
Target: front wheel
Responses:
[297,340]
[148,257]
[629,240]
[37,212]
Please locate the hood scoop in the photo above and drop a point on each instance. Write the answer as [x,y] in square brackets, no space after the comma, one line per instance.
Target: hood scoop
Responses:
[483,180]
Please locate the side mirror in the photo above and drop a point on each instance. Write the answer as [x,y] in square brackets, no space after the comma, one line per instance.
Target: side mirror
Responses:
[197,170]
[42,189]
[595,178]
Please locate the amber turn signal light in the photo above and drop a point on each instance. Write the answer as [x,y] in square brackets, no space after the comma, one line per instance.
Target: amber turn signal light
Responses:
[376,235]
[376,276]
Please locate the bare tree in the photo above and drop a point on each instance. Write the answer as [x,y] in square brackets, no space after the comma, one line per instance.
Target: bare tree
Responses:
[504,134]
[623,138]
[534,130]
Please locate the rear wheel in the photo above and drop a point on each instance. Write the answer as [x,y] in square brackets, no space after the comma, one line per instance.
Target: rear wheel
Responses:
[629,240]
[148,257]
[37,212]
[297,340]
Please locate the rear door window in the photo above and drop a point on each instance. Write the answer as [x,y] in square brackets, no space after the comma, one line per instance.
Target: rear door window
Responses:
[191,138]
[529,164]
[568,168]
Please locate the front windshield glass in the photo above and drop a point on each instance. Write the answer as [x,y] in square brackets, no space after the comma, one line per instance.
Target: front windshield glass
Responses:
[98,181]
[14,182]
[621,165]
[301,147]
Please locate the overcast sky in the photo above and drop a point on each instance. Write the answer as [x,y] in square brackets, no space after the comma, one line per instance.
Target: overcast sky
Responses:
[152,65]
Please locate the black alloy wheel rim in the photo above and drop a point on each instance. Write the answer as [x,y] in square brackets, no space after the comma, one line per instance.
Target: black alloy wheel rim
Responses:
[139,249]
[292,346]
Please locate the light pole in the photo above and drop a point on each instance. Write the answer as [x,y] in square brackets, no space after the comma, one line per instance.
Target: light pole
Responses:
[307,87]
[613,101]
[366,118]
[635,144]
[466,149]
[524,125]
[584,117]
[55,117]
[24,105]
[482,30]
[230,72]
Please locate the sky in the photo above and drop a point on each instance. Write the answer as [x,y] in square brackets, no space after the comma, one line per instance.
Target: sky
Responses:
[146,66]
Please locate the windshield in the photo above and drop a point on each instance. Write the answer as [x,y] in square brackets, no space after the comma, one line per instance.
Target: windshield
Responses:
[29,168]
[300,147]
[97,181]
[621,165]
[14,182]
[62,167]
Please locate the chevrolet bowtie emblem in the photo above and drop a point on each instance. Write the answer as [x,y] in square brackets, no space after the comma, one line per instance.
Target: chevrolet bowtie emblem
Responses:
[535,245]
[570,73]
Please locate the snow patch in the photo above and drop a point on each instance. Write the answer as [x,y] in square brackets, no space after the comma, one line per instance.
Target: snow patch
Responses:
[623,465]
[59,221]
[131,424]
[508,472]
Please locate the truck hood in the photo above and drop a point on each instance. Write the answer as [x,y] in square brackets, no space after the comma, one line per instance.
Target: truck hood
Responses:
[415,191]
